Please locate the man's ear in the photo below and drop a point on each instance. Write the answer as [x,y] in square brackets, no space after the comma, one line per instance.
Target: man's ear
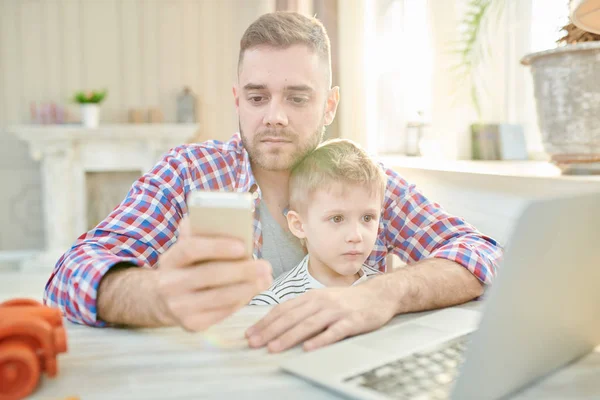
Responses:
[236,98]
[333,99]
[295,224]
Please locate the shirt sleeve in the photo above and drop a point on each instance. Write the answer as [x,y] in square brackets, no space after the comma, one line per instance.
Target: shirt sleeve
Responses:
[143,226]
[417,228]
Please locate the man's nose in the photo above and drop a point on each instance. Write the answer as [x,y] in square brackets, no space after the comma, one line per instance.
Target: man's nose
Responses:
[275,116]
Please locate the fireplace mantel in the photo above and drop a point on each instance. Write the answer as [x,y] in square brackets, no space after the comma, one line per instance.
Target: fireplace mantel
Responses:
[67,152]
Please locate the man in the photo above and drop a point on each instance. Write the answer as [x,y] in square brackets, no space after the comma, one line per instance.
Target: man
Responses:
[284,101]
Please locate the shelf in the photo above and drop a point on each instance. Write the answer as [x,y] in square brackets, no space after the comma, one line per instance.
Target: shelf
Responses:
[526,169]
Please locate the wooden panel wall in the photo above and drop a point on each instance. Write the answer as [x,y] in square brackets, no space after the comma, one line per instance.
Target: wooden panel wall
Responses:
[142,51]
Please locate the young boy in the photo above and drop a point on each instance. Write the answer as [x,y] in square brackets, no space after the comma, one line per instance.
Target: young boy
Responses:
[336,195]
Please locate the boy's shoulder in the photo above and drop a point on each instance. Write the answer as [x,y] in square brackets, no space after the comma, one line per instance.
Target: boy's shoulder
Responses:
[296,274]
[291,283]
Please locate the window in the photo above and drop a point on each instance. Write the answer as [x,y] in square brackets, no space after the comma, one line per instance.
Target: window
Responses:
[547,18]
[399,66]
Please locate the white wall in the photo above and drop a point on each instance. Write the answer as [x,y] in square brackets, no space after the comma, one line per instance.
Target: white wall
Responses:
[142,51]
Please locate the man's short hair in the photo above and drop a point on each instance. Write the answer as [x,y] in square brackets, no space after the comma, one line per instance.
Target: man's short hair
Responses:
[335,161]
[283,29]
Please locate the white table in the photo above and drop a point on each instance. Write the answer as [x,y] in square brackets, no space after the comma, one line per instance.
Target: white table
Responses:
[170,363]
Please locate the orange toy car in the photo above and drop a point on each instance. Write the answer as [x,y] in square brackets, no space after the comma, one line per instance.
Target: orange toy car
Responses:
[31,336]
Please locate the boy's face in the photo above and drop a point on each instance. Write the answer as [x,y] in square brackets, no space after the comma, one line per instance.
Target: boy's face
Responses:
[340,226]
[283,102]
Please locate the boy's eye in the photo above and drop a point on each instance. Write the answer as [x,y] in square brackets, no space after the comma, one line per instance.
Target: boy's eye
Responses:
[337,219]
[368,218]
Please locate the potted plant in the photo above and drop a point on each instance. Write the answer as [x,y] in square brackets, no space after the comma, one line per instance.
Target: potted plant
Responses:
[567,94]
[566,86]
[90,106]
[473,51]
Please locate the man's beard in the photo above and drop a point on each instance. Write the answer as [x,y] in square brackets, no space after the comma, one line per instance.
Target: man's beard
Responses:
[281,159]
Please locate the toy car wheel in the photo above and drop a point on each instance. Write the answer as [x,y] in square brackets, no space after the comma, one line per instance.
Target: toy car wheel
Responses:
[19,370]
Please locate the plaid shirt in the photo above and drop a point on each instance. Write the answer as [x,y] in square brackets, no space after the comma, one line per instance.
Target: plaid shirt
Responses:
[146,223]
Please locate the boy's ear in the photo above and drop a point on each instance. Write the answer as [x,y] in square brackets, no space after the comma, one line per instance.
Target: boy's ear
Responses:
[295,224]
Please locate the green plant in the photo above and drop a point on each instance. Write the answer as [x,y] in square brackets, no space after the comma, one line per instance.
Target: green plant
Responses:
[90,97]
[472,46]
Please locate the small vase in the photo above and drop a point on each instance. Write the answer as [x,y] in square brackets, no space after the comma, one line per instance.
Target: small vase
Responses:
[90,115]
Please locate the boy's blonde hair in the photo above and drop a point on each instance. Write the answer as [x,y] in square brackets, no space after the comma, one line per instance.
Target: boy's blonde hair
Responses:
[332,162]
[283,29]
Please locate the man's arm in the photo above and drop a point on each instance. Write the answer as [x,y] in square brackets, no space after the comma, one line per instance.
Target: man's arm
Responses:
[417,228]
[430,284]
[142,227]
[325,316]
[199,280]
[127,296]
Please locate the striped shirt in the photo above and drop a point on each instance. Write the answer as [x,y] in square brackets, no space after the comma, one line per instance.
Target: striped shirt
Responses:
[298,281]
[146,224]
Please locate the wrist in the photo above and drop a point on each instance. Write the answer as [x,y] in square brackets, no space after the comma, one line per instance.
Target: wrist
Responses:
[392,290]
[163,315]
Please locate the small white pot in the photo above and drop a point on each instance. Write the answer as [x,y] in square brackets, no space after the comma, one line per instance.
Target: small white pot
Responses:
[90,115]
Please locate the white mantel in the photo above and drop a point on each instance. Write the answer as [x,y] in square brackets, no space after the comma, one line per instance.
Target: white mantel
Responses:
[68,152]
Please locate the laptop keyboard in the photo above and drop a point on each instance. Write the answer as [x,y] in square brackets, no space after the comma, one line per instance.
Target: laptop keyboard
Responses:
[423,375]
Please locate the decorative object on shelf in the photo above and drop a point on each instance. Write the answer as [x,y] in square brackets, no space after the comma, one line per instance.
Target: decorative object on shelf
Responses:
[90,107]
[414,135]
[136,116]
[155,116]
[47,113]
[498,142]
[186,107]
[567,94]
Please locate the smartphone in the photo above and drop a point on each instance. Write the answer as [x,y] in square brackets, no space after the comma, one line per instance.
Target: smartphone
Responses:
[223,214]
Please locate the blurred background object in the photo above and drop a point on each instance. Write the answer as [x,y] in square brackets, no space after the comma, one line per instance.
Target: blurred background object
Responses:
[585,14]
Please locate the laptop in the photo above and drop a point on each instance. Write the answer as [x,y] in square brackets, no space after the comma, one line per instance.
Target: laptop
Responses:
[541,313]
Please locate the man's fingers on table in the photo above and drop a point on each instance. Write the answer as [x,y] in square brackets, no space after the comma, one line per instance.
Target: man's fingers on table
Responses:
[337,331]
[309,327]
[284,321]
[274,314]
[191,250]
[214,274]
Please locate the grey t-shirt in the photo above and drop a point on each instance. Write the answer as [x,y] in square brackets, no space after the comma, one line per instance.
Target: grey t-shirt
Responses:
[280,247]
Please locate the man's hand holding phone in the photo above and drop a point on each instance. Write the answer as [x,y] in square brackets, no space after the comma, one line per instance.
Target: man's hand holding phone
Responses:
[205,277]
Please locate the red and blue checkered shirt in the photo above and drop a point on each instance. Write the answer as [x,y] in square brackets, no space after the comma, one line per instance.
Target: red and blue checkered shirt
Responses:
[146,224]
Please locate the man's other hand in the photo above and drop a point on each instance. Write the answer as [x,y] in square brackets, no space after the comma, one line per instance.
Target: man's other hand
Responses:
[322,316]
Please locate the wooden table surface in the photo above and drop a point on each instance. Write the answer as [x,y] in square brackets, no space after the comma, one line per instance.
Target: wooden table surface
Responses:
[171,363]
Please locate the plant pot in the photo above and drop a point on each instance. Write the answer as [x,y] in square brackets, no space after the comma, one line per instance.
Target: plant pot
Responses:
[567,94]
[90,115]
